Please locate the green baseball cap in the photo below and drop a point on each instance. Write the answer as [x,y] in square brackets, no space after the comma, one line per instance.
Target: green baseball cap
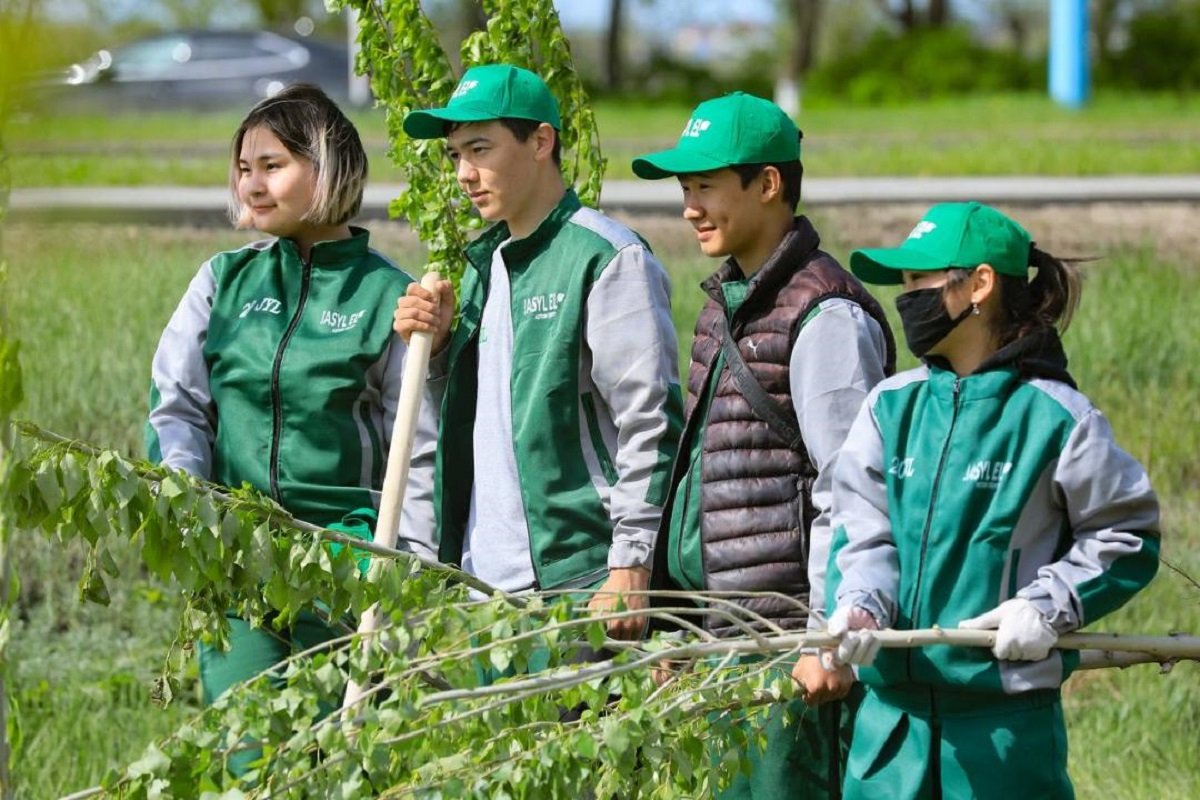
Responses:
[737,128]
[950,235]
[493,91]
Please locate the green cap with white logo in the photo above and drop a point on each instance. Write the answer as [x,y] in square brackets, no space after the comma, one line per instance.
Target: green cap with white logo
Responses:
[736,129]
[493,91]
[951,235]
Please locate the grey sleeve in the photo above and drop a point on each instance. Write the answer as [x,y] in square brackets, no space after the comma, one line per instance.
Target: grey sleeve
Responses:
[838,357]
[864,569]
[418,520]
[631,337]
[1114,519]
[182,424]
[390,383]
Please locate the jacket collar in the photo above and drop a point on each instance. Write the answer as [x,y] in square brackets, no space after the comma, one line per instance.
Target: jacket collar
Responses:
[334,253]
[790,255]
[480,251]
[946,384]
[1036,355]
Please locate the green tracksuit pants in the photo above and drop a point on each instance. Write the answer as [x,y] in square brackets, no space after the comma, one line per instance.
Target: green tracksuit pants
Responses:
[805,753]
[916,742]
[255,650]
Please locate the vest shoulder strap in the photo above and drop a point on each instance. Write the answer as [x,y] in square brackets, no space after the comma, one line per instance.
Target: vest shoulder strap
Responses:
[766,407]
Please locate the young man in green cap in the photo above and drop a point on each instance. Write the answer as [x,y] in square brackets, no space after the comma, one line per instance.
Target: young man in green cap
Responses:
[785,351]
[556,398]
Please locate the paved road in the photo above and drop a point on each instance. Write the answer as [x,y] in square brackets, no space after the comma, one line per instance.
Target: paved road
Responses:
[207,205]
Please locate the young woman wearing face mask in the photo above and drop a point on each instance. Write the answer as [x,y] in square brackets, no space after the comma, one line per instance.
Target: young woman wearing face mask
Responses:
[980,490]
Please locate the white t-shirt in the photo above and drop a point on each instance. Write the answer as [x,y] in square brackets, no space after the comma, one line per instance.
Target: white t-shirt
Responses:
[496,547]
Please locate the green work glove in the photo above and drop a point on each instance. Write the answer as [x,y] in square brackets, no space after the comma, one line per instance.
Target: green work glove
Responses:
[359,523]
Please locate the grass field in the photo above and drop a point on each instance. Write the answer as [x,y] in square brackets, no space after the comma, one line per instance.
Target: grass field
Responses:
[986,135]
[90,301]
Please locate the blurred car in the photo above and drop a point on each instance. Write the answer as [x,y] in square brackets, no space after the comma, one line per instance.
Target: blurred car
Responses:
[201,69]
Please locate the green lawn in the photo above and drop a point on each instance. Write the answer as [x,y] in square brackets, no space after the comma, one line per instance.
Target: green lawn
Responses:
[90,301]
[986,135]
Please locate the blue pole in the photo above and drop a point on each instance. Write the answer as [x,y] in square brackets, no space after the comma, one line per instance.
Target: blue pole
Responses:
[1069,75]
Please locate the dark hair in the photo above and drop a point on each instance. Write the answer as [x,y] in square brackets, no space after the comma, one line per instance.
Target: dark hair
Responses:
[312,127]
[791,174]
[521,129]
[1048,300]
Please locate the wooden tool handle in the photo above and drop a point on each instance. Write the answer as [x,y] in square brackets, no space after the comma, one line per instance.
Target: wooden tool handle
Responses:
[395,477]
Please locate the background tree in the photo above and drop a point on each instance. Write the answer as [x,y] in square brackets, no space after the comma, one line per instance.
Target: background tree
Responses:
[1106,16]
[612,46]
[912,14]
[803,19]
[1025,21]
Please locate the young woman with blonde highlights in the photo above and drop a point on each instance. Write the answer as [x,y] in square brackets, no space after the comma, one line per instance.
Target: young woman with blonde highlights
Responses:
[279,368]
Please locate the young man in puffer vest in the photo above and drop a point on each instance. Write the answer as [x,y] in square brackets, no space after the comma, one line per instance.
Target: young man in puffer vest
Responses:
[750,494]
[556,397]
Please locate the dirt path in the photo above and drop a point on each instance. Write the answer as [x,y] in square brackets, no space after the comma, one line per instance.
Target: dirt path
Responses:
[1068,230]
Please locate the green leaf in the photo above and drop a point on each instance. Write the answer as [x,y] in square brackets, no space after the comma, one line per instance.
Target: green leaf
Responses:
[91,585]
[328,678]
[616,738]
[74,477]
[155,552]
[11,390]
[46,479]
[501,657]
[108,563]
[173,485]
[206,513]
[153,762]
[585,745]
[597,635]
[262,551]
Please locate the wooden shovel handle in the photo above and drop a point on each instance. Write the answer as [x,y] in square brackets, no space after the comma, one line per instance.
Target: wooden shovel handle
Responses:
[395,477]
[412,387]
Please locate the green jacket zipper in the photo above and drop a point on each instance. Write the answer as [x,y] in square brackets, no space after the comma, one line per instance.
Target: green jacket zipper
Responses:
[276,402]
[937,485]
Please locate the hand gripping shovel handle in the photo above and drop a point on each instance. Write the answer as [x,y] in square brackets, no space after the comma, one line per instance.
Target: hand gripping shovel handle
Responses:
[395,477]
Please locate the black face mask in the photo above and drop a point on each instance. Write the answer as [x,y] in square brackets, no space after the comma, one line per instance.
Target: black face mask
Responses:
[925,319]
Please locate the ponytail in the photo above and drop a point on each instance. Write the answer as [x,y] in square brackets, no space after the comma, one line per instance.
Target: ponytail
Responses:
[1048,300]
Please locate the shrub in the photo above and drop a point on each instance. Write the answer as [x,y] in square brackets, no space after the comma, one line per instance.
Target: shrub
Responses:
[664,78]
[1163,51]
[924,63]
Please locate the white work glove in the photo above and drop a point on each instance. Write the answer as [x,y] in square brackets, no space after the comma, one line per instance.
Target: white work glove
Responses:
[855,626]
[1022,633]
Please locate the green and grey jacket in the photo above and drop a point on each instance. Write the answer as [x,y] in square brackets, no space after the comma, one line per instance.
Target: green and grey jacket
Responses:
[953,494]
[596,404]
[284,374]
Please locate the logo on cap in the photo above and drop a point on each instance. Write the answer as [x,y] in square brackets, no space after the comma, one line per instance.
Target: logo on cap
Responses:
[463,88]
[695,127]
[923,227]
